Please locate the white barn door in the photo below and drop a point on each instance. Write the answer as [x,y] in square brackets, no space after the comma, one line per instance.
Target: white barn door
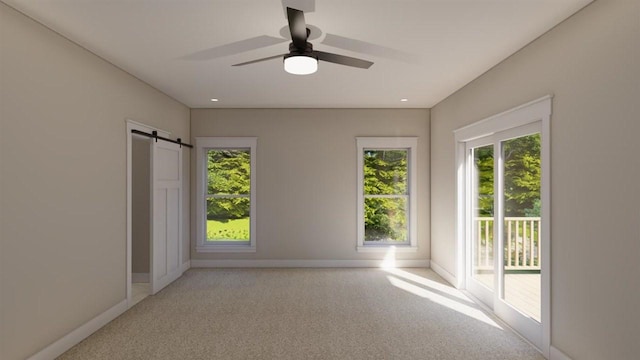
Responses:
[166,208]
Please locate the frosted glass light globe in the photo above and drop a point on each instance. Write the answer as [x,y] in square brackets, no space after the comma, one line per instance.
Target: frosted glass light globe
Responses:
[300,65]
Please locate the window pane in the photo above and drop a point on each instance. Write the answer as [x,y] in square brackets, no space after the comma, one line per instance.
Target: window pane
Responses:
[522,224]
[229,171]
[385,219]
[228,219]
[482,190]
[385,172]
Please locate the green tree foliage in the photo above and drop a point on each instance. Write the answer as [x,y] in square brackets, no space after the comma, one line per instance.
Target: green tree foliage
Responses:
[229,173]
[483,157]
[521,175]
[385,173]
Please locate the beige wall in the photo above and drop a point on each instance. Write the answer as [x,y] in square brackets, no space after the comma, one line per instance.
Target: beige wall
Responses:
[63,191]
[140,205]
[591,64]
[306,176]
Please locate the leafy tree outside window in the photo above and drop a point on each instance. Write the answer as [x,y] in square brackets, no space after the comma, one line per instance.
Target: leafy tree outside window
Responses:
[522,174]
[385,195]
[228,195]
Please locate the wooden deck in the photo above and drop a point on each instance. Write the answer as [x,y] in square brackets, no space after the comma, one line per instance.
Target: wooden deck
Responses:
[522,291]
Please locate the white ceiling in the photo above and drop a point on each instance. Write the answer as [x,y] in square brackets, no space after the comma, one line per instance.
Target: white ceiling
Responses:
[423,50]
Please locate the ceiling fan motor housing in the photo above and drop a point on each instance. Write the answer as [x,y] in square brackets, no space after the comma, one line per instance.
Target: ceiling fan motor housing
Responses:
[295,51]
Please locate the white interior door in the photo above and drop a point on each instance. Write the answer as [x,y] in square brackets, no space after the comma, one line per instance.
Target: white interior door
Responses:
[166,208]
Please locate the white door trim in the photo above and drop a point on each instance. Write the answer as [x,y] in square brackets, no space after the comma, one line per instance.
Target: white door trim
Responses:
[133,125]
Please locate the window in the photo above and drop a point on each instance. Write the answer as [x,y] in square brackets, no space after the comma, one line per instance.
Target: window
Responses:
[387,193]
[225,186]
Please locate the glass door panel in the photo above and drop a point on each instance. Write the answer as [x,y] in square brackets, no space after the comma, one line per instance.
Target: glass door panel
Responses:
[482,188]
[521,224]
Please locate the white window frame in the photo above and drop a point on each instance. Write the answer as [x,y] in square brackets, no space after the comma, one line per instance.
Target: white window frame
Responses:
[202,146]
[389,143]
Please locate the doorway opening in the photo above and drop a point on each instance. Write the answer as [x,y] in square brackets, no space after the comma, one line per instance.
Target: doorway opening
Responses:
[140,218]
[154,211]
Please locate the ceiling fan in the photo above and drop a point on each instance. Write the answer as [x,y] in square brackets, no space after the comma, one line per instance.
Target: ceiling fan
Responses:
[302,59]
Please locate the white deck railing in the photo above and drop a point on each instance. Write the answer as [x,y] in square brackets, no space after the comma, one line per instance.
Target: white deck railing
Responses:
[522,243]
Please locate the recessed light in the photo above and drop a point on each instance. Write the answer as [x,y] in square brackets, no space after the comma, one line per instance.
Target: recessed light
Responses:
[214,100]
[404,100]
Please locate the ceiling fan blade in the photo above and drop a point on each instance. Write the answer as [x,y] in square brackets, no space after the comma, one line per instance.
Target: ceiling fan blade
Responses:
[343,60]
[303,5]
[235,48]
[297,27]
[364,47]
[260,60]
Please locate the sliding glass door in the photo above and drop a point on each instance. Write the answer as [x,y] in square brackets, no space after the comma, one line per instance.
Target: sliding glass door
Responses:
[503,187]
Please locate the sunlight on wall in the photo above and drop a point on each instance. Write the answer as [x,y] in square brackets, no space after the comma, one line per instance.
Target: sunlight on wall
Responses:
[389,261]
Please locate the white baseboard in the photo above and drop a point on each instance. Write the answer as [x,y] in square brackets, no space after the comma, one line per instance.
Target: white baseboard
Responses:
[139,277]
[186,265]
[555,354]
[451,279]
[199,263]
[68,341]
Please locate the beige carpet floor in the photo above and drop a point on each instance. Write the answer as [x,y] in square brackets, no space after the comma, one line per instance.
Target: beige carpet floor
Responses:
[305,314]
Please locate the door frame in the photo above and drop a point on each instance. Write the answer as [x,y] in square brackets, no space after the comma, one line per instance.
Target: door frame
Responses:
[538,110]
[134,125]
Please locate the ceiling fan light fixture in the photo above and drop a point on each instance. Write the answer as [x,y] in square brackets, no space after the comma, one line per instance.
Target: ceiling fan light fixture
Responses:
[300,64]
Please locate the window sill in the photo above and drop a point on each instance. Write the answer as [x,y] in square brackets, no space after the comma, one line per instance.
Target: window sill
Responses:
[386,248]
[225,248]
